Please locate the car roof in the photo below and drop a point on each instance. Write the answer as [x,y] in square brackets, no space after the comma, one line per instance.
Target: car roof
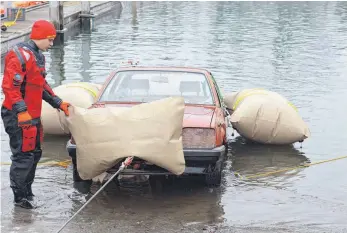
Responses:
[164,68]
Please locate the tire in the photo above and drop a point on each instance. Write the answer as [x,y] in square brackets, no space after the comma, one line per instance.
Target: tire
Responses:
[3,28]
[83,186]
[157,183]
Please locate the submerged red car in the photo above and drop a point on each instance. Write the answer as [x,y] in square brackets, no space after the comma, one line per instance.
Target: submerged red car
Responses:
[204,126]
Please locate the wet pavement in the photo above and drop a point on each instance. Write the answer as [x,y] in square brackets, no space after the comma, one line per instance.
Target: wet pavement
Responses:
[298,49]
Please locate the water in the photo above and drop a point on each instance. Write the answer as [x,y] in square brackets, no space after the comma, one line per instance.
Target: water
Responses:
[298,49]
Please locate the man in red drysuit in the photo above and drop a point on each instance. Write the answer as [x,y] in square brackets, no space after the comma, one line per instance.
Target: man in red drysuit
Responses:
[24,86]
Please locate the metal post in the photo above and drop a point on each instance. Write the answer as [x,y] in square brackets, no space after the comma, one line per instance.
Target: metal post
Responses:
[86,17]
[85,5]
[134,13]
[56,16]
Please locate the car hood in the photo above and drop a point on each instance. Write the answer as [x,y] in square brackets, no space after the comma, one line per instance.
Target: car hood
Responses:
[194,116]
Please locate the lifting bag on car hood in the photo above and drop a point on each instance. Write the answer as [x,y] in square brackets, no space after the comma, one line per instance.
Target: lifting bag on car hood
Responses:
[150,131]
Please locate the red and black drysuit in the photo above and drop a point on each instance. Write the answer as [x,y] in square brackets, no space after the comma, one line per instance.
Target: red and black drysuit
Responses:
[24,86]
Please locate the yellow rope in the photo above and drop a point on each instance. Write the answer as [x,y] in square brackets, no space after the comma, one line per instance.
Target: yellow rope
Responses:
[83,86]
[11,23]
[64,163]
[246,94]
[255,91]
[289,169]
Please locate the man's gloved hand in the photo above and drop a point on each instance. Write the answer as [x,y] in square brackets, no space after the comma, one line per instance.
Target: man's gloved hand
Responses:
[64,107]
[24,119]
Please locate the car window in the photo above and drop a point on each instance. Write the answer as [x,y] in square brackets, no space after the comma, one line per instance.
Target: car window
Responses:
[146,86]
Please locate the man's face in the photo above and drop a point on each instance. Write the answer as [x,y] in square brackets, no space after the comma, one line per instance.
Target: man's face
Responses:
[45,44]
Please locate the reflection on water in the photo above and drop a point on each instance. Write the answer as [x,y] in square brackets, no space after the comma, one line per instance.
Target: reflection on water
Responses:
[54,147]
[250,159]
[277,201]
[184,202]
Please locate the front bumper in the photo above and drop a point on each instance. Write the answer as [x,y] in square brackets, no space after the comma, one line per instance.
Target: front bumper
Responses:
[197,161]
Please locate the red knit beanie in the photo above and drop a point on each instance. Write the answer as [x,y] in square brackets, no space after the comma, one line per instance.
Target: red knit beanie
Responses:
[42,29]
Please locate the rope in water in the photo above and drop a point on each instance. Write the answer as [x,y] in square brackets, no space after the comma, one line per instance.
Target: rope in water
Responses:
[64,163]
[288,169]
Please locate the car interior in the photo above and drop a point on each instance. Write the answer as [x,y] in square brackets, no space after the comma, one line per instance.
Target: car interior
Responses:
[152,88]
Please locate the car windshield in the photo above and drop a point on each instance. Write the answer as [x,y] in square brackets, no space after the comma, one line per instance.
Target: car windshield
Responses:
[147,86]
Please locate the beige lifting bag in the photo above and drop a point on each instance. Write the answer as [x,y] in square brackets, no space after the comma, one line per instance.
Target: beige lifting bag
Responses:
[266,117]
[81,94]
[232,99]
[150,131]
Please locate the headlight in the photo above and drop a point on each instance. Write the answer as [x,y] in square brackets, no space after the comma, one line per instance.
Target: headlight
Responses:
[199,138]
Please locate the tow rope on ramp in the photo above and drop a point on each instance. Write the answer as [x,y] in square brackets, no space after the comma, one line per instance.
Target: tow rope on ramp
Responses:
[124,164]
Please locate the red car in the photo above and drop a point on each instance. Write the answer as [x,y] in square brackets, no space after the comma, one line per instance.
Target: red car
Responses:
[204,126]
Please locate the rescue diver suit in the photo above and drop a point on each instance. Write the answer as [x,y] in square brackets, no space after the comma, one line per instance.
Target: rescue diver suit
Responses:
[24,86]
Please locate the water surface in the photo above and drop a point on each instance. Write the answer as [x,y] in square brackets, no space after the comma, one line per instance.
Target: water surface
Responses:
[298,49]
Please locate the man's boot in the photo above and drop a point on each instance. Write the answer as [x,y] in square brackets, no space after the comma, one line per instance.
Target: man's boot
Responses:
[75,175]
[30,195]
[21,200]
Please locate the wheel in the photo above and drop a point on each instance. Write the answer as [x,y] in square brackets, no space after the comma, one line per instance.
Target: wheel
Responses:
[213,176]
[157,183]
[83,186]
[3,28]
